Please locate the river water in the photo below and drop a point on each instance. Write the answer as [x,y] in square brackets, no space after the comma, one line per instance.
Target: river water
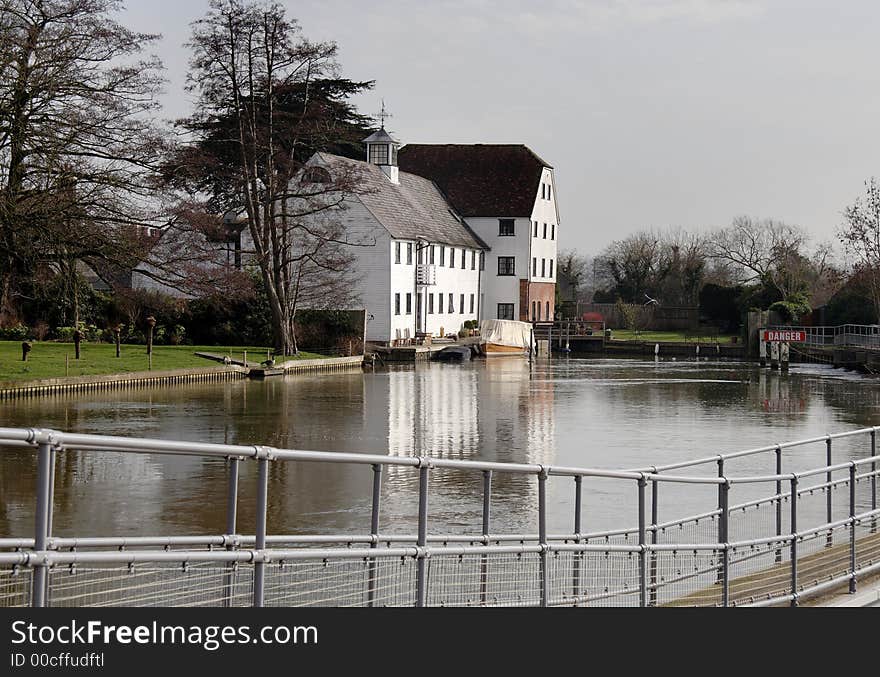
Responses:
[598,413]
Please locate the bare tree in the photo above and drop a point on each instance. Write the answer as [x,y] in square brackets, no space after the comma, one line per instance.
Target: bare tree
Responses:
[257,119]
[77,142]
[633,267]
[860,234]
[761,250]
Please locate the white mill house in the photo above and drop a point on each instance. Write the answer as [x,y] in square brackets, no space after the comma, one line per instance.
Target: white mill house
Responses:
[469,232]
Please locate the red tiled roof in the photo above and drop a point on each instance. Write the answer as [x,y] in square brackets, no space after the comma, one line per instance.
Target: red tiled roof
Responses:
[480,179]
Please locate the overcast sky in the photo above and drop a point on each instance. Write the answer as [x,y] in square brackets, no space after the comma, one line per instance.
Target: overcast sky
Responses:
[654,113]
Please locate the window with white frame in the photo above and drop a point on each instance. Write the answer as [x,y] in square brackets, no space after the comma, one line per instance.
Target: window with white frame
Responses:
[396,252]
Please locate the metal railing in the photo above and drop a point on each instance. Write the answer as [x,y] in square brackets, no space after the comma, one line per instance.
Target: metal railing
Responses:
[799,540]
[847,335]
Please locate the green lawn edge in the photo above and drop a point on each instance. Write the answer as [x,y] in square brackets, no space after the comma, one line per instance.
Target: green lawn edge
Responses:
[50,360]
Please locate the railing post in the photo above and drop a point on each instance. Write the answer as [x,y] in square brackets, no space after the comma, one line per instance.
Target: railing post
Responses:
[484,560]
[828,504]
[421,578]
[779,501]
[643,544]
[873,480]
[655,518]
[725,550]
[231,526]
[578,556]
[852,527]
[374,531]
[718,575]
[794,543]
[262,509]
[42,519]
[542,532]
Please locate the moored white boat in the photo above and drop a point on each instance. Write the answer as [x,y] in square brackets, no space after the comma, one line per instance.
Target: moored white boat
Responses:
[505,337]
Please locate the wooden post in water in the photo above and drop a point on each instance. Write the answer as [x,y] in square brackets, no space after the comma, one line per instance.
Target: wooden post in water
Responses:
[783,356]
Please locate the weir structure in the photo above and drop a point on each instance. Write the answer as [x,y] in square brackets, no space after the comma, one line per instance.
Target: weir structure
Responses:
[810,531]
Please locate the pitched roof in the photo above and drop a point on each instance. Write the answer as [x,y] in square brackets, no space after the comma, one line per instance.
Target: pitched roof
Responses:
[480,179]
[411,210]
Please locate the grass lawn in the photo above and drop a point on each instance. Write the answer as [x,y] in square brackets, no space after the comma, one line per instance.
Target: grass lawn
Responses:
[679,336]
[46,360]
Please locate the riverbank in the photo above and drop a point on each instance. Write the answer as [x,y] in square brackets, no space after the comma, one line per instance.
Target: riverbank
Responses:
[49,360]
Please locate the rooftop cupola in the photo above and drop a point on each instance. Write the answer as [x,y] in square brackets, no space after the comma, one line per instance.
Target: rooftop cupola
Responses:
[382,152]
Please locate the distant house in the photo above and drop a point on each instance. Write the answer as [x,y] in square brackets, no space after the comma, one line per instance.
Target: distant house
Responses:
[507,195]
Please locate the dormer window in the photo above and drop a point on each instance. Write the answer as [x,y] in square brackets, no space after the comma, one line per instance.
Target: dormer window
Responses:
[316,175]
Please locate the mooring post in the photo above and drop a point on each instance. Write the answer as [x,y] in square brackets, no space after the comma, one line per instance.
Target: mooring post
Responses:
[643,545]
[231,526]
[852,527]
[421,579]
[262,509]
[484,560]
[794,541]
[42,519]
[828,489]
[723,542]
[542,532]
[374,530]
[578,556]
[655,518]
[779,500]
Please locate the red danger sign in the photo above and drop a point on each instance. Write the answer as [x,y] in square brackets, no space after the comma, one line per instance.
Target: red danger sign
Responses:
[781,336]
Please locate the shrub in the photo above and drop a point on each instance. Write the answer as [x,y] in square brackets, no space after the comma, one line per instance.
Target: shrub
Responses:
[90,333]
[792,309]
[18,332]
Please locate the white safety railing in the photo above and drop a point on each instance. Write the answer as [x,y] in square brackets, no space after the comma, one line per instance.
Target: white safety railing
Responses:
[764,551]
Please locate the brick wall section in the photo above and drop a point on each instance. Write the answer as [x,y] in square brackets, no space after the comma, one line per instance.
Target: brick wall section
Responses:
[543,293]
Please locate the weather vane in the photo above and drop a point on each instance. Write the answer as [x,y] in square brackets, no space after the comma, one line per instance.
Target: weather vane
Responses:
[383,114]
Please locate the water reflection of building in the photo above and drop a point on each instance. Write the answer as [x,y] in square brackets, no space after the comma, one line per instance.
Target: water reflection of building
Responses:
[433,412]
[489,411]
